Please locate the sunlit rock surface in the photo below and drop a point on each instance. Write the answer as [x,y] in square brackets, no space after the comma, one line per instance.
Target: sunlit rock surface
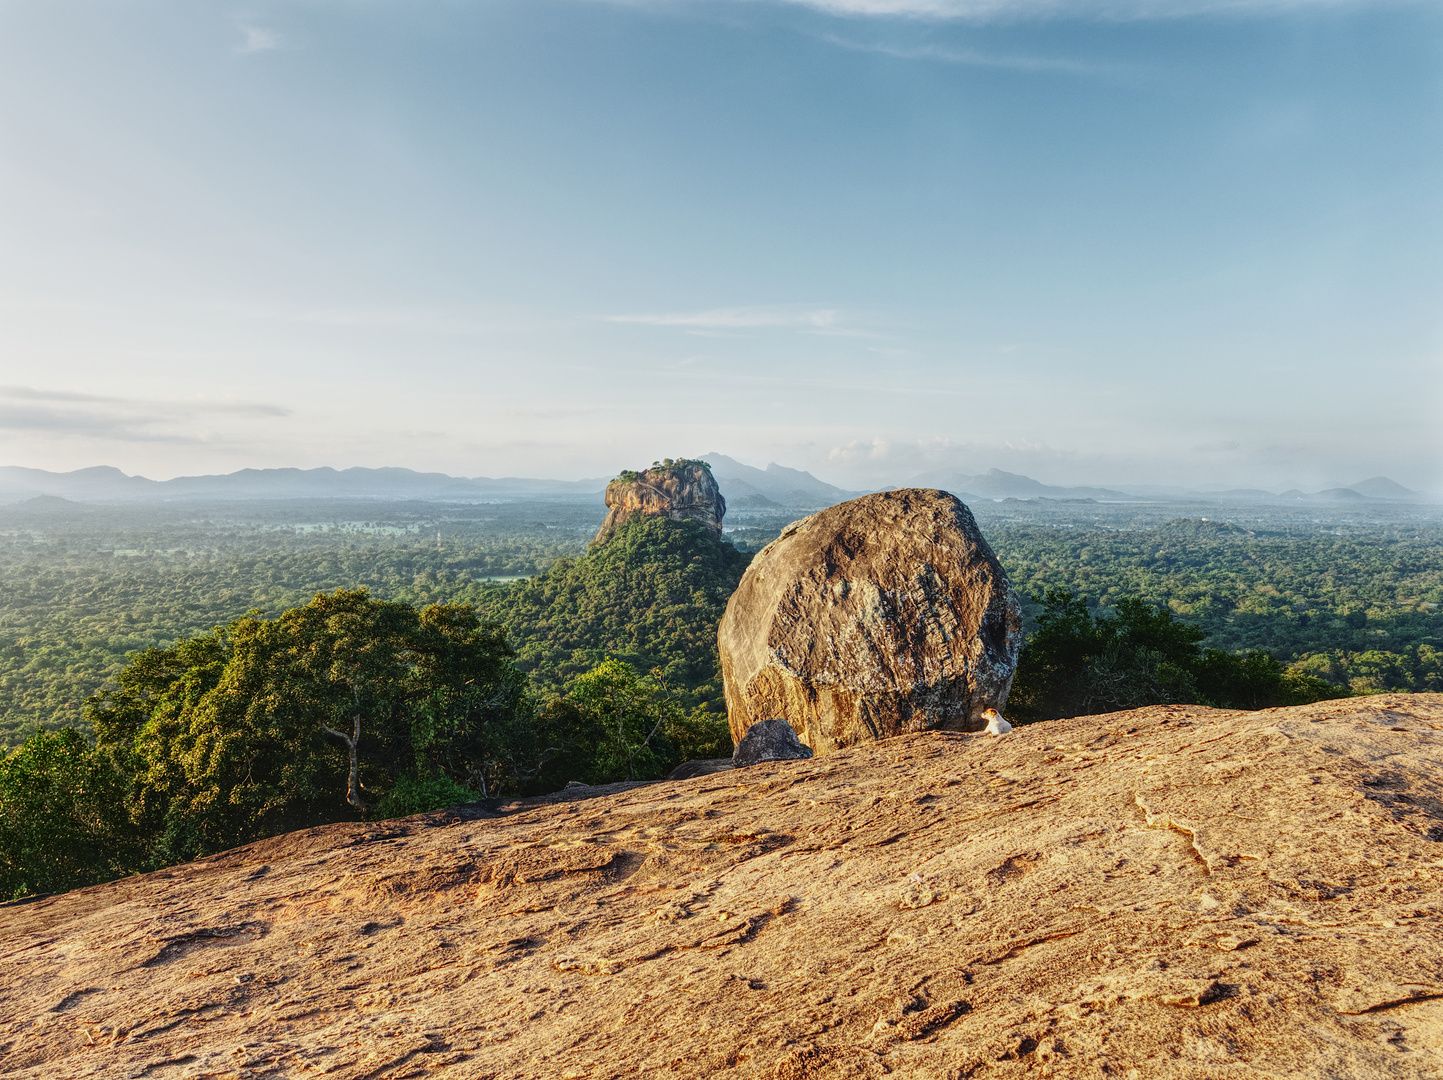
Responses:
[880,616]
[1170,892]
[684,492]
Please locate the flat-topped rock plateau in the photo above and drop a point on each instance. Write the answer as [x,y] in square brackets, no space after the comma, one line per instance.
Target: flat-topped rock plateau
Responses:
[1173,891]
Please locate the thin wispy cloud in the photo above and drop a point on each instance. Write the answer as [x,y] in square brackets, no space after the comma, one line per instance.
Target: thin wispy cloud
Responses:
[1024,10]
[258,39]
[160,406]
[29,393]
[438,321]
[88,424]
[972,58]
[821,383]
[997,10]
[27,409]
[256,409]
[737,319]
[559,412]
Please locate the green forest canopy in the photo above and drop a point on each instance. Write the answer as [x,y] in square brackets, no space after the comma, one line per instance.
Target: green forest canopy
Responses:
[599,665]
[1354,603]
[652,596]
[256,727]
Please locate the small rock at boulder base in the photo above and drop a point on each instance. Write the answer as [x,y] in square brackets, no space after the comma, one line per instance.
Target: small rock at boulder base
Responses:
[680,490]
[880,616]
[769,740]
[690,770]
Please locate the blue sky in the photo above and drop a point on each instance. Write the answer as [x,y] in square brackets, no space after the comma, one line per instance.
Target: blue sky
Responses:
[1108,241]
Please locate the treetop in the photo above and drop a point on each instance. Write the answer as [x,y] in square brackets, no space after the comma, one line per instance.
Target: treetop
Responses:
[671,465]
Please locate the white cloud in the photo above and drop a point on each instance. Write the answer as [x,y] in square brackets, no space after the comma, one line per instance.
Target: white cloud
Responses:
[259,39]
[420,320]
[71,414]
[737,318]
[29,393]
[994,10]
[973,58]
[882,460]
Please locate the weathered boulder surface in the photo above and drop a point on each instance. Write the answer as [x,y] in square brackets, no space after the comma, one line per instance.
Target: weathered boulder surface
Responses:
[880,616]
[1170,892]
[769,740]
[684,491]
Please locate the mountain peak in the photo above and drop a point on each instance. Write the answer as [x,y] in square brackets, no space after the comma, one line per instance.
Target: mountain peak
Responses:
[1380,487]
[776,485]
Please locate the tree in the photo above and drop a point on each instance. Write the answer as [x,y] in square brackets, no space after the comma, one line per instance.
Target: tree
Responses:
[651,596]
[1256,680]
[233,736]
[630,711]
[616,724]
[1077,663]
[62,817]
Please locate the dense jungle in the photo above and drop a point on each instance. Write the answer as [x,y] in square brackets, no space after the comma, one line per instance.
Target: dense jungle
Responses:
[491,652]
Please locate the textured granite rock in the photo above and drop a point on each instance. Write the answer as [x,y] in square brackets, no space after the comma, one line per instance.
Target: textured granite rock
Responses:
[1171,892]
[769,740]
[880,616]
[682,492]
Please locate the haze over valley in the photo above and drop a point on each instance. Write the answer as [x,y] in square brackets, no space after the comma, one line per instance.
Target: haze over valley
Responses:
[745,486]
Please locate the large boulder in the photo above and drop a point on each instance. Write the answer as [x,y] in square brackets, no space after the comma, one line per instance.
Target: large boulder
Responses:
[879,616]
[680,490]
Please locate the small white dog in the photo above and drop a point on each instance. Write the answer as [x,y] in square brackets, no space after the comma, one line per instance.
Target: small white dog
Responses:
[996,725]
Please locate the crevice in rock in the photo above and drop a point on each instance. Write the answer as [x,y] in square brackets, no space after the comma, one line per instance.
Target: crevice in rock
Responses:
[1397,1004]
[1163,821]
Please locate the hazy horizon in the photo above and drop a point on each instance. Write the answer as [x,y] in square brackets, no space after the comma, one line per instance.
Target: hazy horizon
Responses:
[1106,242]
[603,477]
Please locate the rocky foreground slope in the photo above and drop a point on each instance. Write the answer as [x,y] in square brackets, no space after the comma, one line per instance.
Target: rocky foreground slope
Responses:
[1168,892]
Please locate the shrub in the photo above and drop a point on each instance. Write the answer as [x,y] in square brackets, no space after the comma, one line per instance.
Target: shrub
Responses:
[1078,663]
[412,794]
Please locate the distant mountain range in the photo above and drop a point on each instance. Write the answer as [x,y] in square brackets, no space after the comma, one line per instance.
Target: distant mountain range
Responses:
[745,487]
[105,484]
[996,484]
[749,488]
[1374,489]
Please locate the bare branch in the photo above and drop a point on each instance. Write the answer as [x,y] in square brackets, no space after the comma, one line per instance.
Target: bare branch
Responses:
[353,788]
